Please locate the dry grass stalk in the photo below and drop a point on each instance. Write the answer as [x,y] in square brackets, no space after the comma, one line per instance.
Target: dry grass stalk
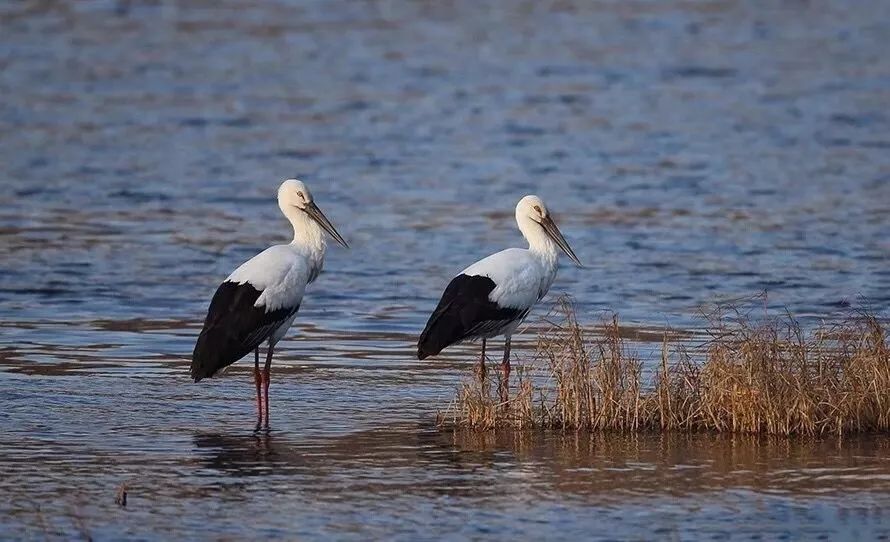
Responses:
[761,378]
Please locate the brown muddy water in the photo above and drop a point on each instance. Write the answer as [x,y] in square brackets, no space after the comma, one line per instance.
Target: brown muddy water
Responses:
[693,152]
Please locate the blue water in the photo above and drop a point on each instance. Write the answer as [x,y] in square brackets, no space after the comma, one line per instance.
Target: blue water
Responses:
[691,152]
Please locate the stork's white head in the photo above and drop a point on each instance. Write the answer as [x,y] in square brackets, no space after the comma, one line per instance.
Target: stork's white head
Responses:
[533,207]
[295,201]
[535,222]
[294,193]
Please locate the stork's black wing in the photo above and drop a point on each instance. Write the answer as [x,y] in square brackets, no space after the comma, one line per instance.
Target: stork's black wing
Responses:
[233,328]
[464,312]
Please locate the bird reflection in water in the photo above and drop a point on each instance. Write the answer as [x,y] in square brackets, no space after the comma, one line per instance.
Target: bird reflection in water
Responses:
[599,467]
[252,454]
[331,464]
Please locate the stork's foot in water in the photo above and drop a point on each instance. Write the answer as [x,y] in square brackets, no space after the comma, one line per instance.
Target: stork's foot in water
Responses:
[259,415]
[262,425]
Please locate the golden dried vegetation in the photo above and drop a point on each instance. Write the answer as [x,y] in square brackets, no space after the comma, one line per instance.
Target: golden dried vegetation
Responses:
[756,376]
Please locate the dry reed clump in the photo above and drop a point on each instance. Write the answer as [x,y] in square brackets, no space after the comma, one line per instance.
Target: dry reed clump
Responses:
[766,377]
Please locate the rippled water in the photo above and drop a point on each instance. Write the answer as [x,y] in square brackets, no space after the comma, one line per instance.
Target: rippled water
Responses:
[692,152]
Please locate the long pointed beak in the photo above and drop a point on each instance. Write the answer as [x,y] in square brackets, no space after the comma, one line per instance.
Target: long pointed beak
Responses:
[553,232]
[315,214]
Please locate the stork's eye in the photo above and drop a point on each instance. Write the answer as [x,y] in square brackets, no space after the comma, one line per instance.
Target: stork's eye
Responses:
[302,197]
[538,210]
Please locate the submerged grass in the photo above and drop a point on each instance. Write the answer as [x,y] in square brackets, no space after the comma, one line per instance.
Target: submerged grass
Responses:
[764,376]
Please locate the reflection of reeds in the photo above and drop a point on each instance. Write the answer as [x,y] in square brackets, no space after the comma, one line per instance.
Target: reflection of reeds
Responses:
[765,377]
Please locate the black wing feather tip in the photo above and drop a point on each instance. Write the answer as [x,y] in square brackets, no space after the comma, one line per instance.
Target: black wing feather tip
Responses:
[423,352]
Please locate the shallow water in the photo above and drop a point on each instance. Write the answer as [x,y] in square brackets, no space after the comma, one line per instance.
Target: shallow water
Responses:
[692,152]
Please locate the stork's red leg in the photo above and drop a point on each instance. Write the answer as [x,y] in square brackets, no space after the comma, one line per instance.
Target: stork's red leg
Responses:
[266,380]
[505,385]
[258,379]
[480,371]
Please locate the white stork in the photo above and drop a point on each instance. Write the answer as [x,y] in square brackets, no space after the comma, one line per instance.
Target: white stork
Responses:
[257,303]
[494,295]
